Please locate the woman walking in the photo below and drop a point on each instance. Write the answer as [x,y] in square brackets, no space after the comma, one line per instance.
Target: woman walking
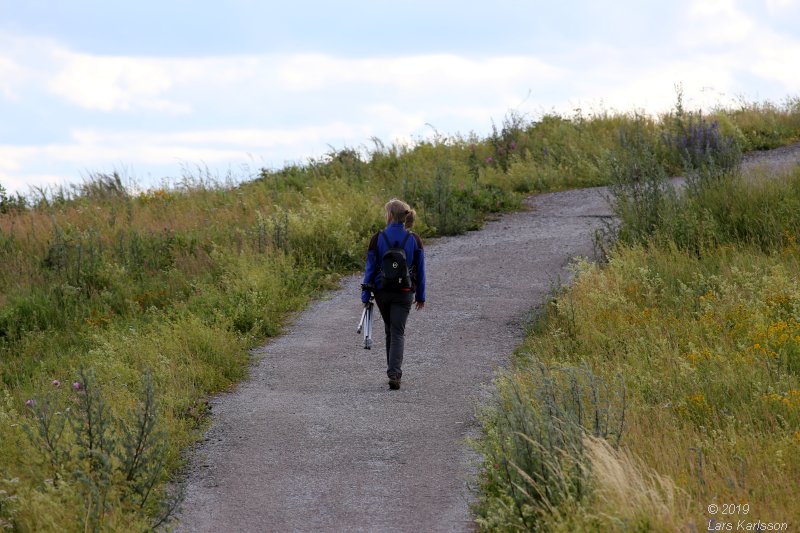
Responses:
[396,270]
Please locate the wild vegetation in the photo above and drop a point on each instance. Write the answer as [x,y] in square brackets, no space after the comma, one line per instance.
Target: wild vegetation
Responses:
[122,311]
[667,381]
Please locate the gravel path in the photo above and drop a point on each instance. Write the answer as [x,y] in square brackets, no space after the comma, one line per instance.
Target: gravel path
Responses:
[316,441]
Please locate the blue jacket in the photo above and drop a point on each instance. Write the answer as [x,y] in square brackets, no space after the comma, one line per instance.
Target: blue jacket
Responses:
[414,254]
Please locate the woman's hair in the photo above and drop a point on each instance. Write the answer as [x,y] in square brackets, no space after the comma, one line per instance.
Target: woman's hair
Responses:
[399,211]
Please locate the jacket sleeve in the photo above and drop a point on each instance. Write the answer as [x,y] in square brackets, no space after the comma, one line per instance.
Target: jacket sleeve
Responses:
[372,266]
[419,268]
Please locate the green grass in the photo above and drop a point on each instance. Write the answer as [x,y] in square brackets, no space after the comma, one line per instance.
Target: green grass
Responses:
[761,126]
[697,312]
[181,282]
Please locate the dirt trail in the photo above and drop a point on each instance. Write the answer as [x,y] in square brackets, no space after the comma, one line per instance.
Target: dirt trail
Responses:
[316,441]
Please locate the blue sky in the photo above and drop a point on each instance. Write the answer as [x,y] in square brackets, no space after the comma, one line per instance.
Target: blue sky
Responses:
[157,89]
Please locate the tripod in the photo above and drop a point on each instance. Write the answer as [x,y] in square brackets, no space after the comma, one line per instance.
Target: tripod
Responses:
[365,324]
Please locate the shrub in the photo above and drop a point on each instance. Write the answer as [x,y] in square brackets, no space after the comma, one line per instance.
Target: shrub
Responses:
[116,464]
[639,187]
[701,146]
[533,450]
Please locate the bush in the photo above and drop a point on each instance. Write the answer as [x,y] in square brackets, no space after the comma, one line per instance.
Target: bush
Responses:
[533,449]
[639,187]
[699,145]
[115,464]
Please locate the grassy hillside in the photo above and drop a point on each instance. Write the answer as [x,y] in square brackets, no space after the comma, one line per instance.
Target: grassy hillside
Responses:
[668,380]
[120,312]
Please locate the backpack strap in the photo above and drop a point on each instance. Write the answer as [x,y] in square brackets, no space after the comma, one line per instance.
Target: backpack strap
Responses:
[410,264]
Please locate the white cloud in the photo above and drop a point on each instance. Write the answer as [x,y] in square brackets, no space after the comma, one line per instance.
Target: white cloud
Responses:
[777,58]
[22,184]
[724,52]
[168,151]
[207,145]
[12,158]
[10,76]
[400,122]
[320,101]
[435,72]
[95,82]
[653,90]
[718,22]
[776,7]
[184,85]
[277,107]
[114,83]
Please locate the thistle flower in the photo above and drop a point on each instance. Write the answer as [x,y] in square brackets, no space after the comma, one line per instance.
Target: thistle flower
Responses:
[76,386]
[30,403]
[55,383]
[490,159]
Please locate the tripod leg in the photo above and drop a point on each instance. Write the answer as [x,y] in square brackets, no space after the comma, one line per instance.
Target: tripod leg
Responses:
[361,323]
[368,328]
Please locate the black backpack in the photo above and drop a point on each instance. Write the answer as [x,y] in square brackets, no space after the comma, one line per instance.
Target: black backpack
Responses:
[394,266]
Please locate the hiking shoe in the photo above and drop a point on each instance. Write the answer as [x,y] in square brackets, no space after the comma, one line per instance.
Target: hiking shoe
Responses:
[394,383]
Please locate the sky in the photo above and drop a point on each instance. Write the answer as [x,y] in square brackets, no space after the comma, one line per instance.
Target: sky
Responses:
[161,90]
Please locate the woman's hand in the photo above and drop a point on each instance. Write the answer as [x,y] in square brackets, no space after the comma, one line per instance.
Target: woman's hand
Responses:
[419,305]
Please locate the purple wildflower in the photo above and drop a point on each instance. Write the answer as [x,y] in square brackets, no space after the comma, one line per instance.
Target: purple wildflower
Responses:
[30,403]
[55,383]
[489,159]
[76,386]
[513,145]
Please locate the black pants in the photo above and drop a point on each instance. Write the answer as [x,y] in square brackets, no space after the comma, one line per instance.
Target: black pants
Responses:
[394,307]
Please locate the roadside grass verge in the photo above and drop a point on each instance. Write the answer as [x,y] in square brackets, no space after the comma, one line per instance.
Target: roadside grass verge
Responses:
[101,286]
[697,312]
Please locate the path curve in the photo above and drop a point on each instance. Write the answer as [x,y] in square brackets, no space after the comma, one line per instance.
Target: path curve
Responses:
[316,441]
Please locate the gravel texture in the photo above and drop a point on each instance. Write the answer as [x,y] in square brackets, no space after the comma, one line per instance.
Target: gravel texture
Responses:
[316,441]
[779,160]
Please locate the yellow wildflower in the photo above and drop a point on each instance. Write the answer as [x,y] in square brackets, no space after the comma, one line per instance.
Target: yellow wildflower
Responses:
[698,399]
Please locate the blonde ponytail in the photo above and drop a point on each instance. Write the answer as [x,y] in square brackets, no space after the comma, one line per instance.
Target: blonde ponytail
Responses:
[399,211]
[410,217]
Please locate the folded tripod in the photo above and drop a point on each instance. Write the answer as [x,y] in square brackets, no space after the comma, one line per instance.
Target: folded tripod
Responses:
[365,324]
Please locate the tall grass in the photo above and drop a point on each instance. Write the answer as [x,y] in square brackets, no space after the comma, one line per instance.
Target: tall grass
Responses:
[537,462]
[177,283]
[761,125]
[698,310]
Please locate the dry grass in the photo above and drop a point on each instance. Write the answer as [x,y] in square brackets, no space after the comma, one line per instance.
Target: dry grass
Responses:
[628,492]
